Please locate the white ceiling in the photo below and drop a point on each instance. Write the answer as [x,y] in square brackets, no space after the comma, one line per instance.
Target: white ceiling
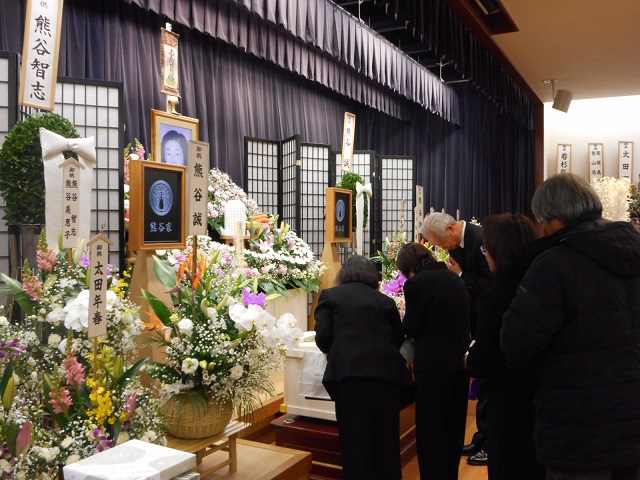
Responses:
[591,47]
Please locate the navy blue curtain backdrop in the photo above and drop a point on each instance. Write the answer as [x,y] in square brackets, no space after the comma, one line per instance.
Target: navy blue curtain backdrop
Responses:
[480,162]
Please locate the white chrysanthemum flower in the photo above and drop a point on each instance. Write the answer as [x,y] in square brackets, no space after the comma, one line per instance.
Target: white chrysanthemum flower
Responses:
[189,365]
[3,321]
[72,459]
[54,340]
[185,326]
[212,313]
[236,372]
[5,466]
[67,442]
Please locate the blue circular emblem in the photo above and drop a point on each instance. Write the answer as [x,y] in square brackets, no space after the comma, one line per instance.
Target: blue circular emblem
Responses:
[161,198]
[340,210]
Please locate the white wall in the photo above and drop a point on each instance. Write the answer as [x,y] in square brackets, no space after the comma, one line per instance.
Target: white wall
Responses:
[604,120]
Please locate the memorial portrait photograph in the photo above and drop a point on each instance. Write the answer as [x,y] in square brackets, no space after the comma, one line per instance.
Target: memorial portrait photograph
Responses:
[171,134]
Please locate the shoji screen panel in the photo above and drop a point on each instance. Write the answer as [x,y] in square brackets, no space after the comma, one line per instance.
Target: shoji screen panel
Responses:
[363,165]
[314,173]
[290,210]
[8,118]
[262,170]
[398,183]
[94,107]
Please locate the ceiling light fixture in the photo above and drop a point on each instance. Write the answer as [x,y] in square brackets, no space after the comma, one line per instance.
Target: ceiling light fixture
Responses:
[562,100]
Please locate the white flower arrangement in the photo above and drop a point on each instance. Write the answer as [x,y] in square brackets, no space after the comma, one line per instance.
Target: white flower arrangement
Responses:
[281,260]
[221,190]
[220,342]
[614,194]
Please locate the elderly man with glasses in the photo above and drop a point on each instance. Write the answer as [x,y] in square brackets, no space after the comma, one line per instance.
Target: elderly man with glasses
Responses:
[464,242]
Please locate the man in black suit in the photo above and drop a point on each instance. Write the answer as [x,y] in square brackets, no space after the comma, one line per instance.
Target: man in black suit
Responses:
[463,240]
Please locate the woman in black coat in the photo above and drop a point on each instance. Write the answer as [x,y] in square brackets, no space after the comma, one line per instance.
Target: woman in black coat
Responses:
[437,316]
[510,412]
[366,376]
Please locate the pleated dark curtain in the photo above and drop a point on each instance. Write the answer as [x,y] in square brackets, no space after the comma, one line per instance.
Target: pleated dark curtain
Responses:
[471,155]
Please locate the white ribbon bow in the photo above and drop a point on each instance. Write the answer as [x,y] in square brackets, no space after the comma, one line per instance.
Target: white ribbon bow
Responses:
[361,190]
[53,144]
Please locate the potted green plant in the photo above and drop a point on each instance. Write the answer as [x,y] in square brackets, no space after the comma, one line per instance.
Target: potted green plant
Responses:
[348,182]
[21,167]
[22,183]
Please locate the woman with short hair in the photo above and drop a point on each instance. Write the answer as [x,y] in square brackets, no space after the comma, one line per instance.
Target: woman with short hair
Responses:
[366,376]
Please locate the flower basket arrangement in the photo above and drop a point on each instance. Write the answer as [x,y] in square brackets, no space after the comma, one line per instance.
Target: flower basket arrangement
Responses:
[72,396]
[280,260]
[221,345]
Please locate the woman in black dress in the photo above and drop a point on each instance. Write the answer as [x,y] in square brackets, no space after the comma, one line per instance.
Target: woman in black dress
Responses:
[437,316]
[510,408]
[360,330]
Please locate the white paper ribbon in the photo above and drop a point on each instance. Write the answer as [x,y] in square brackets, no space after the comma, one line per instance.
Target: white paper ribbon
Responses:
[52,147]
[361,191]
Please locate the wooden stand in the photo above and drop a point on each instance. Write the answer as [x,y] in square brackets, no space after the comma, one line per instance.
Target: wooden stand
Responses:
[206,446]
[258,461]
[322,439]
[330,258]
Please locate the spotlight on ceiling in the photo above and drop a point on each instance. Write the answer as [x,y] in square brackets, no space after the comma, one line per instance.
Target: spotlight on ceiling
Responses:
[562,99]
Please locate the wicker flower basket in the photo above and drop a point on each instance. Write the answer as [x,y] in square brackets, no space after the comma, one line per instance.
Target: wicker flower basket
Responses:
[196,419]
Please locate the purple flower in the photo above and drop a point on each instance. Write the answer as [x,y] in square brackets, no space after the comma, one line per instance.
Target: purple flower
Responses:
[254,299]
[84,260]
[395,287]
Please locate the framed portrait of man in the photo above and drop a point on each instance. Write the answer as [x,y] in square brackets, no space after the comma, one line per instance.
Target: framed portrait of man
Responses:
[170,136]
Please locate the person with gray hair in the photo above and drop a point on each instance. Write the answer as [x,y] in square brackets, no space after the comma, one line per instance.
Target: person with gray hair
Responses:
[575,320]
[464,242]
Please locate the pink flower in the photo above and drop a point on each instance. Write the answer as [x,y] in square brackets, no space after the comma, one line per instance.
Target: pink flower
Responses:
[130,405]
[60,400]
[75,371]
[46,260]
[140,150]
[24,438]
[32,286]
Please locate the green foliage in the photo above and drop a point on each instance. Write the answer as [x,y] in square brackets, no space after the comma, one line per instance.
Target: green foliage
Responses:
[348,182]
[22,170]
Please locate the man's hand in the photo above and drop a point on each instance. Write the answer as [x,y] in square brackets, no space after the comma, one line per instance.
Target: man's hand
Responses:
[454,266]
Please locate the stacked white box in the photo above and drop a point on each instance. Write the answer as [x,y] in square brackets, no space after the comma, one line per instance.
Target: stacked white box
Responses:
[132,460]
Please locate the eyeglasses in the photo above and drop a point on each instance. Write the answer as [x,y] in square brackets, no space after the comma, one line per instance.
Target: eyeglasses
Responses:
[483,250]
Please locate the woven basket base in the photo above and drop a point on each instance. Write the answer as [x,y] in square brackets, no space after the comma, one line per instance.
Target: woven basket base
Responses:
[189,420]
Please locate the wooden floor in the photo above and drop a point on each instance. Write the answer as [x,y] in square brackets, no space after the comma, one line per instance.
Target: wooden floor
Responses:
[466,471]
[411,471]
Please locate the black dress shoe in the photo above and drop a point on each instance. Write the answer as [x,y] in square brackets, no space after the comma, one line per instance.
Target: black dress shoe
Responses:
[470,449]
[479,458]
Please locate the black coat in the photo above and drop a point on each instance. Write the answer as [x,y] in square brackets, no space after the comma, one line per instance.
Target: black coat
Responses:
[359,327]
[576,320]
[476,273]
[475,270]
[510,412]
[437,316]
